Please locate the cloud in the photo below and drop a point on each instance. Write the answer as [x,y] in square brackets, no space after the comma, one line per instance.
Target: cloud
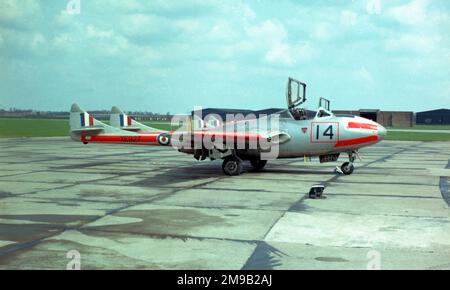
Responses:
[364,75]
[112,46]
[161,8]
[373,6]
[419,27]
[268,32]
[273,38]
[413,13]
[38,42]
[139,24]
[280,53]
[22,43]
[96,33]
[323,31]
[289,54]
[16,11]
[428,21]
[65,19]
[334,25]
[236,9]
[412,42]
[64,41]
[349,18]
[234,50]
[139,49]
[222,31]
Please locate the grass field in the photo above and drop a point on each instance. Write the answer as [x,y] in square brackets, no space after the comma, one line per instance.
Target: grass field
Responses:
[425,127]
[50,128]
[417,136]
[10,127]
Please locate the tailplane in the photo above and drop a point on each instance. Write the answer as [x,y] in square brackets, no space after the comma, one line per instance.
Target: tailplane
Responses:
[85,128]
[120,120]
[82,123]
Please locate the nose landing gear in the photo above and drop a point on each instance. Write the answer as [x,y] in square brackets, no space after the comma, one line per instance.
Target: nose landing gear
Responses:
[347,167]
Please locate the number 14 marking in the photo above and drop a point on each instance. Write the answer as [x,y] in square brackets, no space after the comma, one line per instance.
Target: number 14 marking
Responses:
[327,132]
[324,132]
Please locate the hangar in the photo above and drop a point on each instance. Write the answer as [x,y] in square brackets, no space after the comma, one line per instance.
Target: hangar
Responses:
[435,117]
[385,118]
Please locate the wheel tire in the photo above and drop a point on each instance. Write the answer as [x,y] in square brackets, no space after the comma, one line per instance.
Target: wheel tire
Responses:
[347,168]
[258,164]
[232,166]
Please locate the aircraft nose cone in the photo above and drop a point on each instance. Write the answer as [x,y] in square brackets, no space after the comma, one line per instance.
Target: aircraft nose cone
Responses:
[381,132]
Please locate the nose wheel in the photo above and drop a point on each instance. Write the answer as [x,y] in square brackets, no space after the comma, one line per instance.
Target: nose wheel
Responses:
[347,167]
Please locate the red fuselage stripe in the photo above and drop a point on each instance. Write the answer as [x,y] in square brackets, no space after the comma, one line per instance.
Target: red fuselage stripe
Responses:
[355,125]
[150,133]
[356,141]
[119,139]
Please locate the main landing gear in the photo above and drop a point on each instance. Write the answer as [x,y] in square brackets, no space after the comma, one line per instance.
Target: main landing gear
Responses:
[258,164]
[347,167]
[233,165]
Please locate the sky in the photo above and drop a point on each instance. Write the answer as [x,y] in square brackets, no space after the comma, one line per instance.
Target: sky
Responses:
[169,56]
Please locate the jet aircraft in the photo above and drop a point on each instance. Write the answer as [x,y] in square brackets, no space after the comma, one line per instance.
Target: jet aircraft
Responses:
[288,133]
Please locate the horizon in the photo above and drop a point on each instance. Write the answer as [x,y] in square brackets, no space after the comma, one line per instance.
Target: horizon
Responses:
[13,109]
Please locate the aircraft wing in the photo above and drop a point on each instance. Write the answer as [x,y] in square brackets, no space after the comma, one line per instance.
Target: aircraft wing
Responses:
[275,137]
[245,131]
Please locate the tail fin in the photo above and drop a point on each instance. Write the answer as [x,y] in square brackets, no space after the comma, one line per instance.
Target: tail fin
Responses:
[81,123]
[120,120]
[84,128]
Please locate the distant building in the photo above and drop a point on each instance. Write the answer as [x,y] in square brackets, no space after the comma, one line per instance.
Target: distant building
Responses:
[434,117]
[385,118]
[154,117]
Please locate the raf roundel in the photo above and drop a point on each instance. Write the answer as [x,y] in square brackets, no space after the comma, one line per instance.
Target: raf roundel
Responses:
[163,139]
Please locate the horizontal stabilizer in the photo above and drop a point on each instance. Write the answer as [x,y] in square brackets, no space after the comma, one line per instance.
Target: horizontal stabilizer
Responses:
[85,128]
[82,123]
[118,119]
[132,129]
[89,130]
